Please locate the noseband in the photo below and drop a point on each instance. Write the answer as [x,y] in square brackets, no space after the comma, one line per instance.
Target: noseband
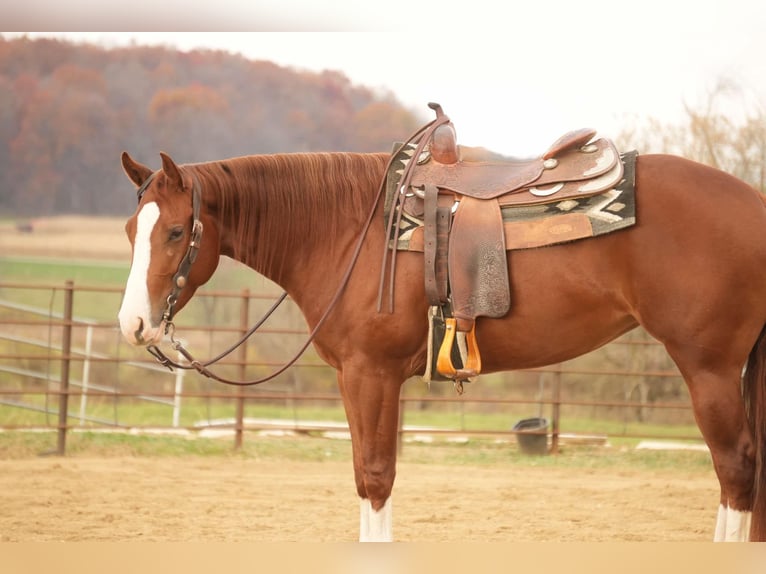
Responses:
[184,267]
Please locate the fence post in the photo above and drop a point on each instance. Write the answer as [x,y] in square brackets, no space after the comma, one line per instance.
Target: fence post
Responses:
[86,373]
[66,349]
[244,318]
[556,410]
[178,392]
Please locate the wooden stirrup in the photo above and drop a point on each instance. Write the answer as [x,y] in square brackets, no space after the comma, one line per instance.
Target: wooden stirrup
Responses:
[472,363]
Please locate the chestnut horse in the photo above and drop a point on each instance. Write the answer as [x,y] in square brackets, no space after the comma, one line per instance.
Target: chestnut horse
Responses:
[691,271]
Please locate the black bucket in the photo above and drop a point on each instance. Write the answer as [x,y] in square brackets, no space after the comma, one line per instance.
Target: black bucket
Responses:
[532,435]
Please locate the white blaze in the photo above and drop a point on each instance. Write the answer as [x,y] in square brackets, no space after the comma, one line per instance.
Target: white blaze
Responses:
[136,307]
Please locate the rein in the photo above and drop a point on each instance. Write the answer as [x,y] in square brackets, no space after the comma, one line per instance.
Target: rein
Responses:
[201,366]
[181,276]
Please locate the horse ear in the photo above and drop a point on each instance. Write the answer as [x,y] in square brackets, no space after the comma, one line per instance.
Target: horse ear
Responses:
[171,170]
[136,172]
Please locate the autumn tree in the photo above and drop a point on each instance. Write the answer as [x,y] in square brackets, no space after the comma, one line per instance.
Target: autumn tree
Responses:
[726,131]
[67,111]
[191,122]
[381,123]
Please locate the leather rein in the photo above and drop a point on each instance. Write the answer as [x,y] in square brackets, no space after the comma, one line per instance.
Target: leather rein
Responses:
[184,268]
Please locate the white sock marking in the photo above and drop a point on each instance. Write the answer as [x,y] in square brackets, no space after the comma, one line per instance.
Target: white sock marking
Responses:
[720,525]
[737,525]
[732,525]
[375,526]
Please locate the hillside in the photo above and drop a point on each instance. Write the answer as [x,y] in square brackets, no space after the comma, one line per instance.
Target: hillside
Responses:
[67,111]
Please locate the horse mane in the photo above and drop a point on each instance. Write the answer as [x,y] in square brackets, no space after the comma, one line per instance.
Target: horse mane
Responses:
[285,200]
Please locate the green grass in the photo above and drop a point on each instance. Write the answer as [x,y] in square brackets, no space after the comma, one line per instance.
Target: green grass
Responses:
[196,411]
[56,271]
[476,451]
[102,306]
[131,412]
[92,305]
[229,276]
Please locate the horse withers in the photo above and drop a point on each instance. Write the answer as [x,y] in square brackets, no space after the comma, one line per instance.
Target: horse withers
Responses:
[691,271]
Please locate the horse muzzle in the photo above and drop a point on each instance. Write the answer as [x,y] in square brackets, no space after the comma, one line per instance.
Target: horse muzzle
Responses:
[141,332]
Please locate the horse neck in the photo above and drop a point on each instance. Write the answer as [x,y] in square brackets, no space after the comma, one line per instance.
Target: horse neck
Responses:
[289,216]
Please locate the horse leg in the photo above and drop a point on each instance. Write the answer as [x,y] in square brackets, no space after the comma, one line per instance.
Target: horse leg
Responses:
[371,402]
[719,410]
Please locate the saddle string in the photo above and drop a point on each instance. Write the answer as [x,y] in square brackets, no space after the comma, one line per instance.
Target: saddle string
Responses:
[422,137]
[202,367]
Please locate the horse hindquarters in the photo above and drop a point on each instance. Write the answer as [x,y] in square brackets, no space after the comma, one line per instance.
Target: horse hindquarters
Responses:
[754,390]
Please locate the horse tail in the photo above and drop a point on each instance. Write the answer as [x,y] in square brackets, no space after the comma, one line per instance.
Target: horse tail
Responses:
[754,392]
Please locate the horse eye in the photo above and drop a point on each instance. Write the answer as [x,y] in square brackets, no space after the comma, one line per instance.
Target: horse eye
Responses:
[176,233]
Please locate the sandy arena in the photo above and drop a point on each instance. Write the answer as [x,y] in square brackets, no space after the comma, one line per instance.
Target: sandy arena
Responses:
[196,499]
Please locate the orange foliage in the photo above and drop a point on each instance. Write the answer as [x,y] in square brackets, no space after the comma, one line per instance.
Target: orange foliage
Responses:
[67,111]
[195,97]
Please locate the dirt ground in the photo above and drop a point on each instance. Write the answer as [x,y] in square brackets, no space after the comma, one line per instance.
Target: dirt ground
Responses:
[196,499]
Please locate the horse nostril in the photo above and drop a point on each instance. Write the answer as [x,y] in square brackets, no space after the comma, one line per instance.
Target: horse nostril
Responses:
[138,332]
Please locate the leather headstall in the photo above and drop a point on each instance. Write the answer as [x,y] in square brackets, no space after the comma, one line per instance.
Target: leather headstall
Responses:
[184,267]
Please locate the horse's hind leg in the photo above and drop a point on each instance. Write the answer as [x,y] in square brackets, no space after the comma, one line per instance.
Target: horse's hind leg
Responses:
[719,410]
[372,409]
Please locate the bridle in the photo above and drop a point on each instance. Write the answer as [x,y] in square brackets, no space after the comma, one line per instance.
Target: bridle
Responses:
[180,279]
[184,267]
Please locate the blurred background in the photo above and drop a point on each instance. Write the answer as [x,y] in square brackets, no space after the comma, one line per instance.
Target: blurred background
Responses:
[655,77]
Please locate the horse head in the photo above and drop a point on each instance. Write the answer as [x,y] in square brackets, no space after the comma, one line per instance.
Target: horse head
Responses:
[169,259]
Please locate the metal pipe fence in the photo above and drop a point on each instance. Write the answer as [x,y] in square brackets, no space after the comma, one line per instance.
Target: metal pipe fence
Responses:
[54,357]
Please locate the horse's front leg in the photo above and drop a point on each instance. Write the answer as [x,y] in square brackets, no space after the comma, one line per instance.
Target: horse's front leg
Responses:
[371,399]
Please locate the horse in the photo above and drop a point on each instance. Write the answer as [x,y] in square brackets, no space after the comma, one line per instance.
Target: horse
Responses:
[691,271]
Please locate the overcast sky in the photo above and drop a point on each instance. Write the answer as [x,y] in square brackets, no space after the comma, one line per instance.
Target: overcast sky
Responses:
[513,79]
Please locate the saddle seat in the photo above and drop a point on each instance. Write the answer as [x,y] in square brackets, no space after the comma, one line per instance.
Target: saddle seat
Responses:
[571,167]
[458,192]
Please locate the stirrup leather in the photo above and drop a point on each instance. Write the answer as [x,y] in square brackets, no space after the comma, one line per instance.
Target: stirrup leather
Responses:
[472,361]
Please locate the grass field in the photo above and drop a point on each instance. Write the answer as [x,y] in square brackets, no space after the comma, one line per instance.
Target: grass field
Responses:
[93,253]
[68,237]
[54,271]
[475,451]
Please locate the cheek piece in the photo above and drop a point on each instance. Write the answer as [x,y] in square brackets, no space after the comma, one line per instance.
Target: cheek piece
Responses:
[184,268]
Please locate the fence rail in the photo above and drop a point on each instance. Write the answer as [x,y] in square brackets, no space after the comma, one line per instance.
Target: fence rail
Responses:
[51,356]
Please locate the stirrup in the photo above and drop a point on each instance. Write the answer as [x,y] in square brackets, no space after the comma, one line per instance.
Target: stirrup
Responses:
[471,363]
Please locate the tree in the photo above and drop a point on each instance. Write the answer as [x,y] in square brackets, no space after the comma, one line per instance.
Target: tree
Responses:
[379,124]
[726,132]
[191,122]
[67,111]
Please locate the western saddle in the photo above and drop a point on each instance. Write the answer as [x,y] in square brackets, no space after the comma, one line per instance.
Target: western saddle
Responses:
[458,194]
